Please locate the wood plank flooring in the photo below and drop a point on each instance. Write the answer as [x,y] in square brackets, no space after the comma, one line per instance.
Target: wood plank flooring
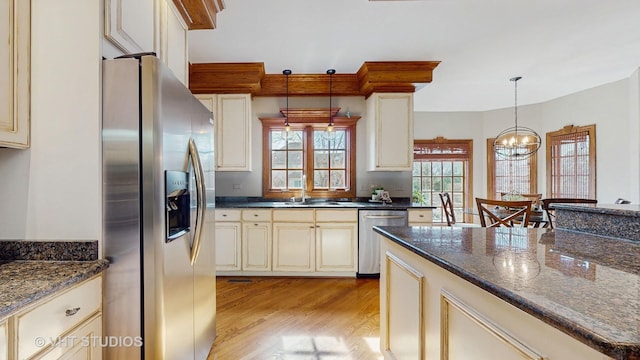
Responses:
[297,319]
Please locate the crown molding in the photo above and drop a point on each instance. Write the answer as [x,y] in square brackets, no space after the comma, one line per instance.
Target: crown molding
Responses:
[373,76]
[199,14]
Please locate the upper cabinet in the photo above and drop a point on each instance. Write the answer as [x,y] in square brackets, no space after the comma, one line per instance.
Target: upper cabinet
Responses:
[233,129]
[390,132]
[173,41]
[15,28]
[129,24]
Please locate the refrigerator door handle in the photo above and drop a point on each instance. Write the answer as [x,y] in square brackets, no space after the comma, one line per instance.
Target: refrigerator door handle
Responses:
[200,199]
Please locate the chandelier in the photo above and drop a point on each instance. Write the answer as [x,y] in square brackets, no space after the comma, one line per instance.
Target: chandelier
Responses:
[517,142]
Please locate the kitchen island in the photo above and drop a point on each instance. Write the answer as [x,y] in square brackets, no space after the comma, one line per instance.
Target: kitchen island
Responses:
[508,293]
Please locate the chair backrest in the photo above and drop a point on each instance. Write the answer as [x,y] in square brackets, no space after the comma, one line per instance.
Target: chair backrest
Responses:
[547,205]
[504,213]
[447,207]
[536,198]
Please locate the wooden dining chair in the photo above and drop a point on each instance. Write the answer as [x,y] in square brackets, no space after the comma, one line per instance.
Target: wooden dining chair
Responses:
[547,206]
[504,213]
[447,208]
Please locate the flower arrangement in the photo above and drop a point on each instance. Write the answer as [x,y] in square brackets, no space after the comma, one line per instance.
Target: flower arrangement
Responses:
[375,189]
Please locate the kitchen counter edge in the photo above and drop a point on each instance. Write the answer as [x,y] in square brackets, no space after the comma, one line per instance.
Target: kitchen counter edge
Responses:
[23,282]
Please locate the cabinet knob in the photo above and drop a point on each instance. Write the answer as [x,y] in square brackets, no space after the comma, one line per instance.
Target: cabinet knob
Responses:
[224,215]
[421,215]
[71,312]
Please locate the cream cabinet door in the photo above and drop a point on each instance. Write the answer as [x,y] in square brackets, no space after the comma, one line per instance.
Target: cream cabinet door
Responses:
[173,41]
[256,246]
[4,341]
[233,132]
[336,246]
[294,246]
[15,72]
[228,246]
[390,132]
[84,343]
[129,25]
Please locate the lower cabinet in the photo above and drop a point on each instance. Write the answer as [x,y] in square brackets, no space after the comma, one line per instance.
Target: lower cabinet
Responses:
[66,325]
[308,242]
[293,240]
[256,240]
[337,240]
[228,239]
[426,312]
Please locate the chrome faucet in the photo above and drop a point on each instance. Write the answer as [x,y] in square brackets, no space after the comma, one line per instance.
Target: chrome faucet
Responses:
[304,189]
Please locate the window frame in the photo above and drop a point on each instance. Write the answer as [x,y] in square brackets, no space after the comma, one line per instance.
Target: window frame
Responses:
[491,172]
[468,171]
[349,125]
[571,129]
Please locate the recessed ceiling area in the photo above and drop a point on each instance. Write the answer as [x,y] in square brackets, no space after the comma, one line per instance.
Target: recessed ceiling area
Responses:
[558,47]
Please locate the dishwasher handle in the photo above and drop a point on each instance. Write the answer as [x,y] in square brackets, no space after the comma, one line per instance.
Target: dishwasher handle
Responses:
[384,217]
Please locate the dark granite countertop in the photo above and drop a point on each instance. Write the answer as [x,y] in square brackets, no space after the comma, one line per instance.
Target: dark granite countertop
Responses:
[31,270]
[632,210]
[396,204]
[585,285]
[23,282]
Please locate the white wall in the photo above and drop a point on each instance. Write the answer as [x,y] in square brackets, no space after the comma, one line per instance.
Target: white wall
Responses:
[53,189]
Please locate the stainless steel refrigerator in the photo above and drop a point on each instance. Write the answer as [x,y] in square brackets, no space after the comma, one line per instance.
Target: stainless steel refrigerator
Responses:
[158,185]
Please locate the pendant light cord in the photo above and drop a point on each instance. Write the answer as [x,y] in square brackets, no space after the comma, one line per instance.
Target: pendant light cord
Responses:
[515,108]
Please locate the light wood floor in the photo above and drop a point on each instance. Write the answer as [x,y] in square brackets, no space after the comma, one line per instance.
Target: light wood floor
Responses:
[297,318]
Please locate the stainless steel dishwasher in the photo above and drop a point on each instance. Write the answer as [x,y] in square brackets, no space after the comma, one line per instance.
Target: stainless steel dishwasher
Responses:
[368,241]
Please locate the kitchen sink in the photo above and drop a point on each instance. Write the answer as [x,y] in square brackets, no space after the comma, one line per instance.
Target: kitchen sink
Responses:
[315,203]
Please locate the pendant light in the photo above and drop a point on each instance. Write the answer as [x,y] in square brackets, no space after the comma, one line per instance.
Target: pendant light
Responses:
[286,73]
[330,72]
[518,142]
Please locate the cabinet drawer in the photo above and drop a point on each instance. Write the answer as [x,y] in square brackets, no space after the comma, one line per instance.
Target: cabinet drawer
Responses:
[290,215]
[57,315]
[228,214]
[420,216]
[336,215]
[256,215]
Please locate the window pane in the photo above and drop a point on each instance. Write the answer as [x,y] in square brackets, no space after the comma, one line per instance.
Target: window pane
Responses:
[295,160]
[321,159]
[338,159]
[437,184]
[426,169]
[458,184]
[339,140]
[447,184]
[447,168]
[338,179]
[278,179]
[416,168]
[458,168]
[320,140]
[296,139]
[295,179]
[426,184]
[321,179]
[278,140]
[278,159]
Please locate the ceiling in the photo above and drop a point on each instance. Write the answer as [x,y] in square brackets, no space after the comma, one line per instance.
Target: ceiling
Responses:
[558,46]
